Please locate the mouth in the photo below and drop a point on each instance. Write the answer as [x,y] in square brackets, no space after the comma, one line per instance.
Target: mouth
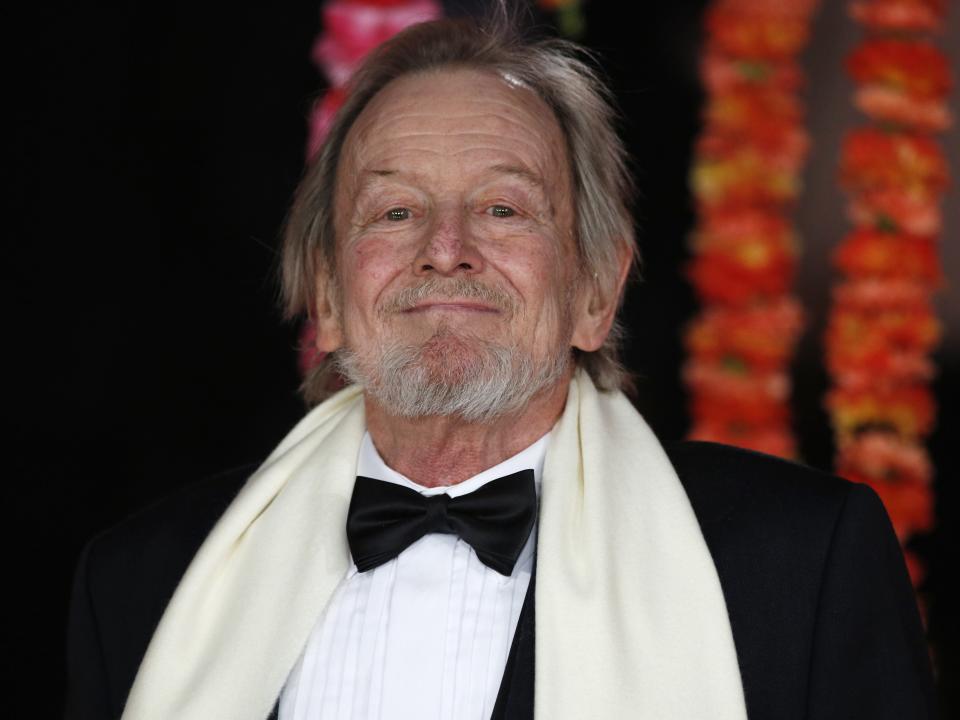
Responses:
[456,306]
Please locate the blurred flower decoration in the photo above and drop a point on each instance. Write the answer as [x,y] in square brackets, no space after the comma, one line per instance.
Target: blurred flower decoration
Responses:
[745,177]
[567,16]
[351,29]
[882,328]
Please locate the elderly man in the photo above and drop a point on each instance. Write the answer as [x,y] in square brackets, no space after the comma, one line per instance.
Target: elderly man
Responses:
[480,525]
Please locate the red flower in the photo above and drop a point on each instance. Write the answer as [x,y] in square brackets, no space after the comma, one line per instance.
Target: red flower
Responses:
[908,411]
[895,107]
[884,457]
[880,349]
[721,73]
[868,253]
[777,33]
[771,147]
[352,28]
[873,160]
[739,174]
[725,393]
[308,356]
[760,337]
[770,439]
[766,119]
[914,211]
[876,295]
[321,118]
[899,14]
[899,472]
[914,67]
[741,256]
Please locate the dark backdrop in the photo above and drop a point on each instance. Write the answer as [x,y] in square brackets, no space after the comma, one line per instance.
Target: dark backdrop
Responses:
[154,152]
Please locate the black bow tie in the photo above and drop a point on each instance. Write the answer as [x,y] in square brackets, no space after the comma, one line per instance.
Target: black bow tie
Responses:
[496,519]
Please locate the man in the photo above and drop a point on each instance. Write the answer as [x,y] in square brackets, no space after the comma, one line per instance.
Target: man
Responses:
[480,525]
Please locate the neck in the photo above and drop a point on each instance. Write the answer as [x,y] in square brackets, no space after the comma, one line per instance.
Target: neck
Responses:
[444,450]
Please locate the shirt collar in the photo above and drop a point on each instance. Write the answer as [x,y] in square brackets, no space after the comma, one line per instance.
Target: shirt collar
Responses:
[370,464]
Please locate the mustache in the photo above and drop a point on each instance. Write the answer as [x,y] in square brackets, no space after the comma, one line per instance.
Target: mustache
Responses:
[453,289]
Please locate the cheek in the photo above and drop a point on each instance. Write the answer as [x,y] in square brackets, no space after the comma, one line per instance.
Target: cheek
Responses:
[539,274]
[372,261]
[368,267]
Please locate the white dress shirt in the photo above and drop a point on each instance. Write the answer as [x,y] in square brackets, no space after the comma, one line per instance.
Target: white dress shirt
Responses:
[424,636]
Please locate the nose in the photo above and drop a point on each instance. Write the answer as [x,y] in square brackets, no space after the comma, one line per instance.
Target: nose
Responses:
[449,248]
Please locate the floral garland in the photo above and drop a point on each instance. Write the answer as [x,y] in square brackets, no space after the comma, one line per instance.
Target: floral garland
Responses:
[568,16]
[745,178]
[882,326]
[352,28]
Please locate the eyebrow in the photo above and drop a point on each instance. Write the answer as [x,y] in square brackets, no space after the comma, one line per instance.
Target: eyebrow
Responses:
[370,175]
[520,172]
[515,170]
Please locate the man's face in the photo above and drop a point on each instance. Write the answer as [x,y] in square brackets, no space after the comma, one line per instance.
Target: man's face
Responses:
[454,226]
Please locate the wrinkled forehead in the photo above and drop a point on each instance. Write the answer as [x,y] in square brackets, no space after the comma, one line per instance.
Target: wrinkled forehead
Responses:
[453,113]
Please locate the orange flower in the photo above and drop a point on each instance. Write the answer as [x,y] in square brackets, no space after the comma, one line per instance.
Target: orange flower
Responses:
[766,36]
[743,256]
[899,14]
[748,109]
[904,82]
[913,67]
[722,73]
[907,411]
[900,472]
[883,350]
[872,295]
[770,439]
[873,160]
[771,8]
[893,106]
[766,119]
[760,337]
[773,147]
[868,253]
[744,175]
[884,457]
[915,211]
[725,392]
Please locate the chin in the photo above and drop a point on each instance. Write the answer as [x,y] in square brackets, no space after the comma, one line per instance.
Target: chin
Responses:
[451,359]
[451,374]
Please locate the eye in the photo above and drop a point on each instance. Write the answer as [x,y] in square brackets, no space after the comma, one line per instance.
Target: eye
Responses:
[398,213]
[501,211]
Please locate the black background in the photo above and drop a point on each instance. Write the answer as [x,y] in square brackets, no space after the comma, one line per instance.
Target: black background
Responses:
[155,150]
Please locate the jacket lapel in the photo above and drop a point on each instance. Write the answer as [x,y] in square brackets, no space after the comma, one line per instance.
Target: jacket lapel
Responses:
[515,698]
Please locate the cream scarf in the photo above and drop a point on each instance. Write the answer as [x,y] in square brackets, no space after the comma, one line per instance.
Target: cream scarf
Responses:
[631,620]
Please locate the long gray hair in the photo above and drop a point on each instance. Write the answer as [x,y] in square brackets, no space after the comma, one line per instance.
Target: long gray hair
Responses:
[559,72]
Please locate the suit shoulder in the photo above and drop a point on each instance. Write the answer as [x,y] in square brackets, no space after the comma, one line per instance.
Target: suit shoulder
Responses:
[772,527]
[722,480]
[181,520]
[125,578]
[132,568]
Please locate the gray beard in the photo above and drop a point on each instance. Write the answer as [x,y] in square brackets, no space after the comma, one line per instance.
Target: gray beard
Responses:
[478,382]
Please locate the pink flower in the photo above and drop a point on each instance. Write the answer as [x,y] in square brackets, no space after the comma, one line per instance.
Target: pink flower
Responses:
[353,29]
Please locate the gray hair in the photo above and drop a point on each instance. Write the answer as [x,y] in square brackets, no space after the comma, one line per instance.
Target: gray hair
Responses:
[559,73]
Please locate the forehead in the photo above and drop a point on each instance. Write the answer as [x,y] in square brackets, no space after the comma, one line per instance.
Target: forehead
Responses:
[460,116]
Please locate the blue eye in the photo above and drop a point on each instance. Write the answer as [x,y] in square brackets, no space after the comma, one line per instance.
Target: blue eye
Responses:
[501,211]
[399,213]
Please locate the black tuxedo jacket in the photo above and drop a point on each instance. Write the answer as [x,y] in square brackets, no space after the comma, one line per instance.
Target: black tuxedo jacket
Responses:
[823,615]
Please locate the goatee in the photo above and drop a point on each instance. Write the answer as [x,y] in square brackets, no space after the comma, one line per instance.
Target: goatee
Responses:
[452,374]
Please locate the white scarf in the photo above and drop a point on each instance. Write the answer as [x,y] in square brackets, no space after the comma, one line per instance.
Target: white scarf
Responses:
[630,617]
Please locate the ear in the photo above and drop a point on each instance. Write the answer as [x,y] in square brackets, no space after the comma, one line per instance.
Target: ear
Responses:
[596,307]
[326,316]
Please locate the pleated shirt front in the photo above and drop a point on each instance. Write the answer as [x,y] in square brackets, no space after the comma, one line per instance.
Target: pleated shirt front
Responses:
[424,636]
